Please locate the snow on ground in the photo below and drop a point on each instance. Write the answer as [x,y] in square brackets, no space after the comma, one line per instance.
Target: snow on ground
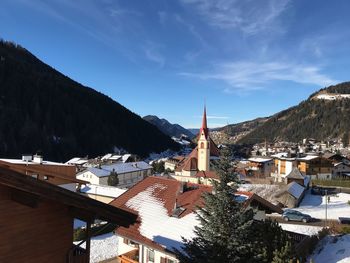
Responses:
[265,191]
[315,206]
[102,247]
[301,229]
[155,222]
[332,249]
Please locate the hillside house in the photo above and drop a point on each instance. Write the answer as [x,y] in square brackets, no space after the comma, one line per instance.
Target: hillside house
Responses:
[128,173]
[291,195]
[102,193]
[282,167]
[37,220]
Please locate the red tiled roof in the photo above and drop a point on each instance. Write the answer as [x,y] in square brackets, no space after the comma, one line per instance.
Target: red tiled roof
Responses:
[207,174]
[168,194]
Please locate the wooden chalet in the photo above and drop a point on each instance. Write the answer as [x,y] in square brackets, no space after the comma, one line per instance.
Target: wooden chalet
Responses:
[37,217]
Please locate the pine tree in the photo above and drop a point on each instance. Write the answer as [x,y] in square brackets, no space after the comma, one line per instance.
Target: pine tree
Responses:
[228,233]
[284,255]
[113,179]
[225,229]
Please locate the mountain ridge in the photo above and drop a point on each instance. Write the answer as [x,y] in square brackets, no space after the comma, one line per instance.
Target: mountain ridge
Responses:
[43,110]
[168,128]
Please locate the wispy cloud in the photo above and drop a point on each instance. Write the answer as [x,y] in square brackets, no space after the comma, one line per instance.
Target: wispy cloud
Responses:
[153,54]
[245,76]
[247,16]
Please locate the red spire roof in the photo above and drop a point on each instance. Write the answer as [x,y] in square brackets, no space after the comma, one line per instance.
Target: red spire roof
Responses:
[204,127]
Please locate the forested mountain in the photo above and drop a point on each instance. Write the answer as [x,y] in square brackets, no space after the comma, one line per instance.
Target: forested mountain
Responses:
[313,118]
[168,128]
[43,110]
[232,133]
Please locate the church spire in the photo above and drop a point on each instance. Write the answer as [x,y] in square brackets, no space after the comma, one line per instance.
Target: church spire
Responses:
[204,127]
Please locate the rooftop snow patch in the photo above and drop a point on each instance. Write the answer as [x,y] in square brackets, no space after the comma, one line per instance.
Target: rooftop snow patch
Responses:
[156,224]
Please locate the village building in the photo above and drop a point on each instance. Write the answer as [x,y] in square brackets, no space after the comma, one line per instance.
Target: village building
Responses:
[37,220]
[195,168]
[291,195]
[341,171]
[282,167]
[102,193]
[52,172]
[295,176]
[165,209]
[316,166]
[173,162]
[128,173]
[259,167]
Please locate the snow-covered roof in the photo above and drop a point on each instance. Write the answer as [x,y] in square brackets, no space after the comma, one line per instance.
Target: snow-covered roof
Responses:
[119,168]
[279,155]
[20,161]
[156,224]
[295,189]
[125,157]
[301,229]
[103,190]
[308,157]
[259,160]
[77,161]
[97,171]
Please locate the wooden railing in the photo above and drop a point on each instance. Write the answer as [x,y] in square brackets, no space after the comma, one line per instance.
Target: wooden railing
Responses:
[130,257]
[77,255]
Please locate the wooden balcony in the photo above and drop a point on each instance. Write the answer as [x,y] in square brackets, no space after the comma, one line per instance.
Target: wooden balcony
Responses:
[78,255]
[130,257]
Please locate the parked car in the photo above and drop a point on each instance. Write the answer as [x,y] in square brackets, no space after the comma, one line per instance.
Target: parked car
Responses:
[292,215]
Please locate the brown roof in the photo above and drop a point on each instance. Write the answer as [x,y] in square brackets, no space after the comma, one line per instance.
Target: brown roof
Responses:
[48,191]
[170,193]
[207,174]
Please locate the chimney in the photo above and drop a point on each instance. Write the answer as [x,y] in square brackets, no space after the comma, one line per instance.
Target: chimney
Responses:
[27,157]
[38,159]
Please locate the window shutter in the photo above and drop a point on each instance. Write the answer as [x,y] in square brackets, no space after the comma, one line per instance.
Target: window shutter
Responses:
[162,260]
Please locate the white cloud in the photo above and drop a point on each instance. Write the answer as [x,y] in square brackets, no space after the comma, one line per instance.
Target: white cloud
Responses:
[247,76]
[248,16]
[152,54]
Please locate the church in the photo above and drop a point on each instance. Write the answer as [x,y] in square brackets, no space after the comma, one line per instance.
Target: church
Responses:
[195,168]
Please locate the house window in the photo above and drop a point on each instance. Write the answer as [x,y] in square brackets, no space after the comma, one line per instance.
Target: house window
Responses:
[125,241]
[35,176]
[45,177]
[150,255]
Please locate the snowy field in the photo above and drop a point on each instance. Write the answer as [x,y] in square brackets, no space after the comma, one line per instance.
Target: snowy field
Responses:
[102,247]
[315,206]
[301,229]
[332,249]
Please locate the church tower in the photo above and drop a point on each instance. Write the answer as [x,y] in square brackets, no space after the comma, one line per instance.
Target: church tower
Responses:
[204,145]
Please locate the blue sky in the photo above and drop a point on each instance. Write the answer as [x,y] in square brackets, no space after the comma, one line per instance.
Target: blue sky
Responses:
[244,58]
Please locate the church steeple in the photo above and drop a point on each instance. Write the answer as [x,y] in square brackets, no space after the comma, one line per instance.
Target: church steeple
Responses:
[204,127]
[204,145]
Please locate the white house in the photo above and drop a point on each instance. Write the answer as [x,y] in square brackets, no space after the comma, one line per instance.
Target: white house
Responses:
[128,173]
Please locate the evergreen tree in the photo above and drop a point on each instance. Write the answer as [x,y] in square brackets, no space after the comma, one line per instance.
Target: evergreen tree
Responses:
[113,179]
[225,229]
[284,255]
[228,233]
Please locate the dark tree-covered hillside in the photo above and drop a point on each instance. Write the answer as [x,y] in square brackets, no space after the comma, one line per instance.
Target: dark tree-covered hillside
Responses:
[43,110]
[313,118]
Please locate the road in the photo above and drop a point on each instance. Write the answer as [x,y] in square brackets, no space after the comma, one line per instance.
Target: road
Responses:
[316,222]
